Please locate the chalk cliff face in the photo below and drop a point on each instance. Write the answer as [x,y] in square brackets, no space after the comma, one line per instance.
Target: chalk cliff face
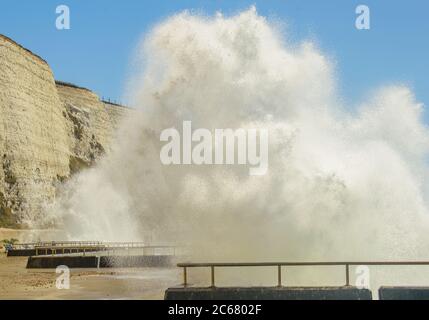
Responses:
[48,131]
[88,123]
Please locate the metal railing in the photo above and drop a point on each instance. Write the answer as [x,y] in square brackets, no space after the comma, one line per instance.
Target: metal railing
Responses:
[34,245]
[109,250]
[279,266]
[69,247]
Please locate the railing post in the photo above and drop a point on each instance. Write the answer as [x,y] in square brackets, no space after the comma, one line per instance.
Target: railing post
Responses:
[213,275]
[347,275]
[279,275]
[185,277]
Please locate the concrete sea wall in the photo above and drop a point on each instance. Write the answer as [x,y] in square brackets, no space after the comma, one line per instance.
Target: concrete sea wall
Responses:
[403,293]
[46,262]
[268,293]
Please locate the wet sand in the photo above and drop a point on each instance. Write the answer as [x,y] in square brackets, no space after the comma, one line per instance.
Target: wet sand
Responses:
[17,282]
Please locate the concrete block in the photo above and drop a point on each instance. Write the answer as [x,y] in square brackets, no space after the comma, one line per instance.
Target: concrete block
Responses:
[268,293]
[403,293]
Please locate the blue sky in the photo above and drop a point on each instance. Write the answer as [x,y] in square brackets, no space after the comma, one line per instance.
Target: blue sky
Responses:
[97,51]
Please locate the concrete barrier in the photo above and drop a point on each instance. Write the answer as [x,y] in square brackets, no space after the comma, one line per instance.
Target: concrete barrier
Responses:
[43,262]
[49,262]
[268,293]
[21,252]
[403,293]
[135,261]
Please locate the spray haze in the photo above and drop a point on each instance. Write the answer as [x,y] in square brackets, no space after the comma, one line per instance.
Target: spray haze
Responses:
[340,184]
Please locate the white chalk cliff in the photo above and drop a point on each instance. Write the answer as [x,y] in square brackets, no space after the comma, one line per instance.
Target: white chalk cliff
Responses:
[48,131]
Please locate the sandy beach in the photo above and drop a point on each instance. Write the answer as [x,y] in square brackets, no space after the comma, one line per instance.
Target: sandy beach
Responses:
[17,282]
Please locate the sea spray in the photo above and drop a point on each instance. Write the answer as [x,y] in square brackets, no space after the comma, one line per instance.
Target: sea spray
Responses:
[343,182]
